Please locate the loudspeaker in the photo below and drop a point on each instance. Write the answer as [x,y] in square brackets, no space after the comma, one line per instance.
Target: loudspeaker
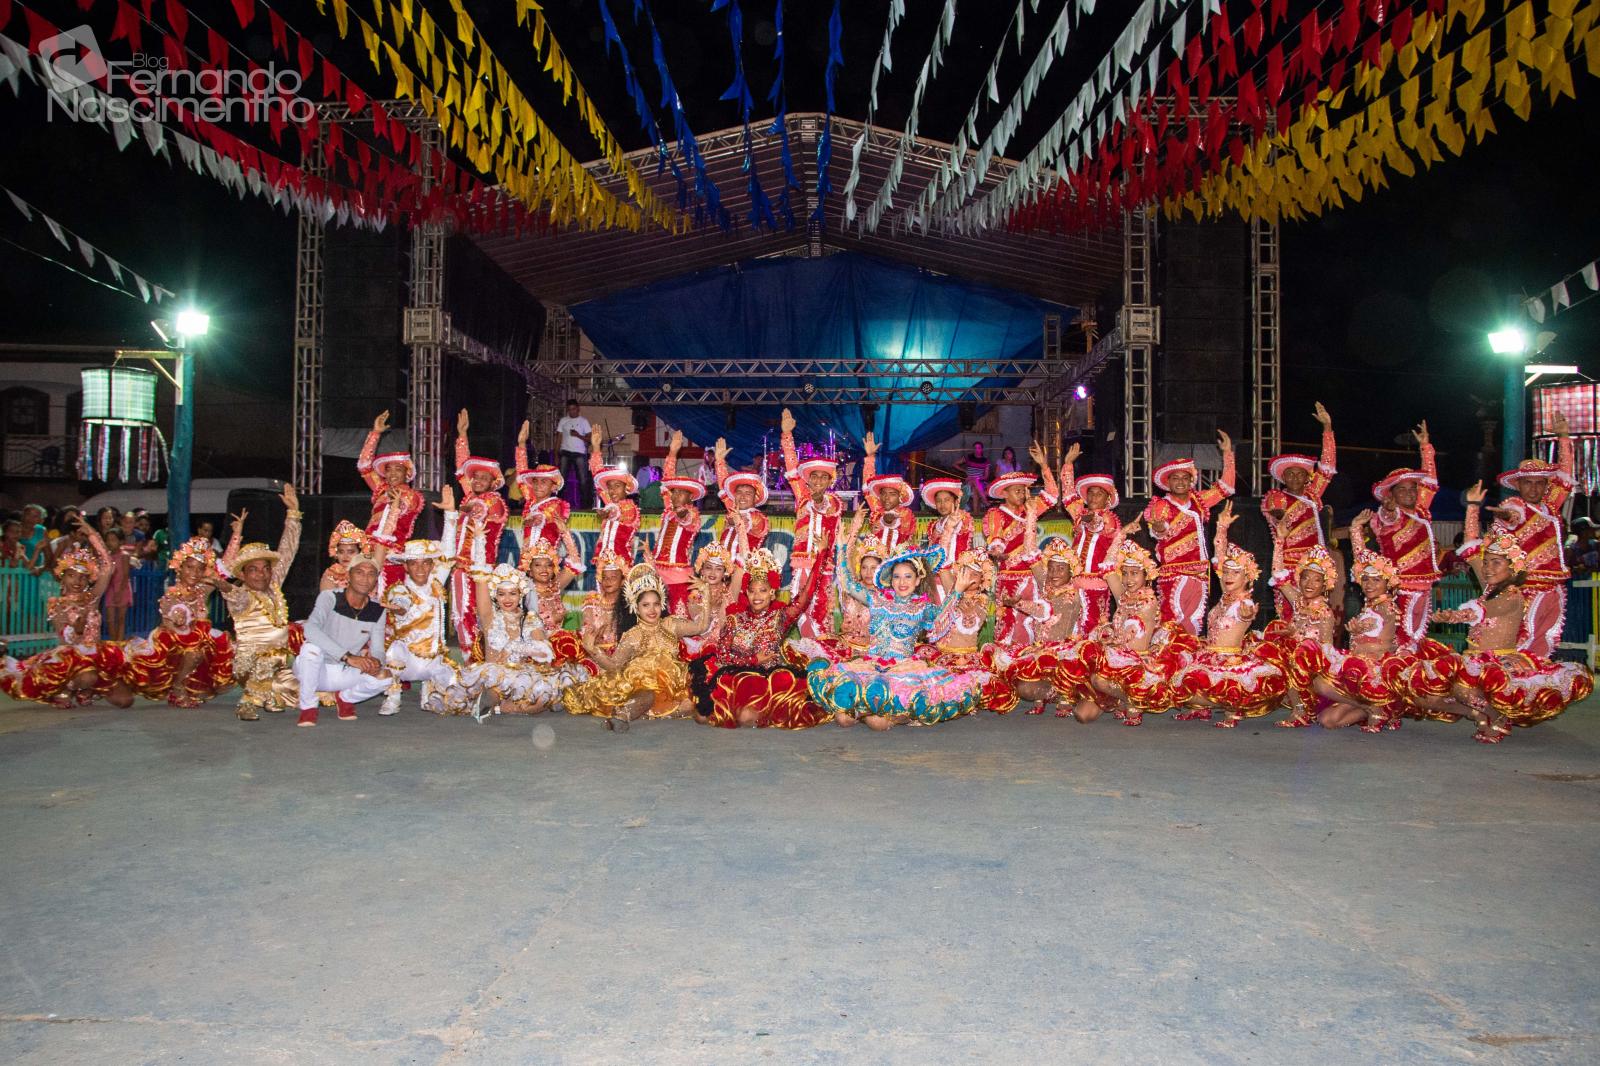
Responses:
[966,416]
[641,419]
[364,360]
[1202,372]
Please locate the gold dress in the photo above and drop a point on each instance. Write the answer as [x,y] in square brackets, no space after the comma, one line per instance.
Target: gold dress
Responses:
[655,667]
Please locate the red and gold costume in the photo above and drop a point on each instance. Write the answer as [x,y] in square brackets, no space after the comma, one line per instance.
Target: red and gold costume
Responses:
[895,526]
[816,524]
[394,507]
[1094,540]
[75,618]
[261,627]
[1538,531]
[1049,620]
[548,603]
[482,520]
[1300,644]
[1005,532]
[1135,651]
[155,661]
[1184,582]
[699,594]
[1299,530]
[619,519]
[1405,538]
[673,557]
[754,519]
[1223,672]
[953,532]
[543,519]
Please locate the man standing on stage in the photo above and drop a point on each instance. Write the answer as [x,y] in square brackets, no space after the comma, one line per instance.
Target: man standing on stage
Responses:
[572,445]
[1294,510]
[680,525]
[816,523]
[1091,501]
[395,504]
[743,495]
[1403,527]
[483,519]
[1533,517]
[1178,522]
[1005,529]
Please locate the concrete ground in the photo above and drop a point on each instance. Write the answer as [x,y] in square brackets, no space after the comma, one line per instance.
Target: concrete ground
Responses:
[178,886]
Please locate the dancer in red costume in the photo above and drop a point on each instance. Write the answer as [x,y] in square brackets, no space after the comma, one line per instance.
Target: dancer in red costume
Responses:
[1050,669]
[816,523]
[483,519]
[1302,643]
[673,557]
[619,516]
[1178,522]
[1005,530]
[743,494]
[347,541]
[1533,518]
[1369,684]
[952,531]
[182,660]
[395,504]
[1091,501]
[1294,510]
[548,579]
[544,512]
[889,504]
[82,668]
[1132,658]
[1403,527]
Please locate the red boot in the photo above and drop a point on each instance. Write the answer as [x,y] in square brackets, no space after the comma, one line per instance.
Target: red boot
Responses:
[308,717]
[347,711]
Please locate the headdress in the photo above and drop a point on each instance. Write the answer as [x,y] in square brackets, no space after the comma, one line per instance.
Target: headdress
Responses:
[609,560]
[255,551]
[980,562]
[78,557]
[1396,476]
[543,471]
[761,563]
[195,548]
[1099,481]
[713,552]
[890,481]
[1237,558]
[921,559]
[610,473]
[347,531]
[693,487]
[390,458]
[641,579]
[828,466]
[1163,473]
[1282,464]
[866,544]
[935,485]
[997,488]
[477,464]
[1131,551]
[733,481]
[1504,544]
[498,577]
[1377,564]
[1317,559]
[1059,550]
[1534,468]
[539,548]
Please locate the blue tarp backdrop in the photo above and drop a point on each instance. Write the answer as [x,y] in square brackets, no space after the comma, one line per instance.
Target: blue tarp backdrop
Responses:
[844,305]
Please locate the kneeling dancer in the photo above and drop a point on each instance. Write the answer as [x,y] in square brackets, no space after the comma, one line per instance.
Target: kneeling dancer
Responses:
[519,672]
[261,654]
[183,661]
[1132,658]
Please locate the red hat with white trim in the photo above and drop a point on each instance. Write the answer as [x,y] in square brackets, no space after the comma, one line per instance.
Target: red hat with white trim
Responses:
[1533,468]
[609,474]
[828,466]
[1099,481]
[1396,476]
[543,470]
[388,458]
[997,488]
[477,464]
[935,485]
[745,477]
[1165,471]
[693,487]
[1282,464]
[891,481]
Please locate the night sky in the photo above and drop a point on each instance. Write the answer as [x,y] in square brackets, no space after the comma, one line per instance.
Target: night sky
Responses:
[1386,302]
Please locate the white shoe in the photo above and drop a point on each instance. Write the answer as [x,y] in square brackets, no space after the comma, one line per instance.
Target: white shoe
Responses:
[391,704]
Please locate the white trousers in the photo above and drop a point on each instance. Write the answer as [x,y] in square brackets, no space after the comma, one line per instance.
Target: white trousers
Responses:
[315,674]
[406,665]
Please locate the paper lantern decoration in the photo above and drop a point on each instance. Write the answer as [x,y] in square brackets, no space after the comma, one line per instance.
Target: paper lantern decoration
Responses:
[119,414]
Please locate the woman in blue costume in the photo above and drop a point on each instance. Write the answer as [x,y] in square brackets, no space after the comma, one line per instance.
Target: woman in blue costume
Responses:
[887,686]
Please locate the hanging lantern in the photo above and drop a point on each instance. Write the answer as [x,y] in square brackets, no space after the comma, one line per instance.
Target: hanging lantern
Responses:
[119,440]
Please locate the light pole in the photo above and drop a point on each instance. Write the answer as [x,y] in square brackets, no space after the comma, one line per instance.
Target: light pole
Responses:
[1511,342]
[191,325]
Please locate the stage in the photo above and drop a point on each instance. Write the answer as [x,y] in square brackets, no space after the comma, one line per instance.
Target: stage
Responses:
[180,886]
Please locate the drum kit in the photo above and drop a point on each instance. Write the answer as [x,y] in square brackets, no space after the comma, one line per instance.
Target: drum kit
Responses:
[772,466]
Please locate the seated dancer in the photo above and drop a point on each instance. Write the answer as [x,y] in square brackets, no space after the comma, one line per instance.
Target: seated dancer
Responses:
[680,525]
[1004,529]
[744,494]
[544,512]
[605,615]
[548,579]
[1369,684]
[889,500]
[961,650]
[1403,528]
[483,519]
[1221,674]
[344,651]
[395,504]
[346,542]
[713,580]
[751,684]
[1178,522]
[1533,518]
[1300,644]
[952,532]
[82,668]
[183,660]
[261,653]
[518,674]
[619,516]
[1132,658]
[417,605]
[1050,667]
[889,685]
[1497,681]
[1091,502]
[1294,510]
[863,555]
[645,675]
[817,512]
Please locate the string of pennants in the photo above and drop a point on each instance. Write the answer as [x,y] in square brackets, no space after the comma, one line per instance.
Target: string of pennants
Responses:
[1560,294]
[93,257]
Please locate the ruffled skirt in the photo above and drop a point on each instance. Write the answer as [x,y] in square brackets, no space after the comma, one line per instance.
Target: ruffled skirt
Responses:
[43,678]
[923,692]
[1241,682]
[153,665]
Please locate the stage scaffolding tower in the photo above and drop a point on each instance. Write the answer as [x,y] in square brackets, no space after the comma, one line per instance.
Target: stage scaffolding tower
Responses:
[1265,401]
[306,466]
[426,315]
[1140,324]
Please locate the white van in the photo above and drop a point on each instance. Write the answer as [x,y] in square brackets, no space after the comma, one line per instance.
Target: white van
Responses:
[207,496]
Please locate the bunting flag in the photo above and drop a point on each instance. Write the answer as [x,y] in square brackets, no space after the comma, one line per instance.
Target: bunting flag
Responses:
[897,12]
[819,214]
[641,105]
[148,291]
[739,91]
[705,189]
[1561,292]
[778,96]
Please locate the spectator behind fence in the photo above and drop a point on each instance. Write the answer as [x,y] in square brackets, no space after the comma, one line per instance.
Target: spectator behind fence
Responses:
[1583,548]
[119,590]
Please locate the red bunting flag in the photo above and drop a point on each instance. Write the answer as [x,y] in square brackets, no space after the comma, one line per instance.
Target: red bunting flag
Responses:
[278,31]
[178,19]
[1253,30]
[246,11]
[1274,84]
[216,52]
[305,56]
[126,28]
[1400,30]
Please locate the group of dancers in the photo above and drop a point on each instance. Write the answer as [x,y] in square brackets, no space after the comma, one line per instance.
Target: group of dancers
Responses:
[883,625]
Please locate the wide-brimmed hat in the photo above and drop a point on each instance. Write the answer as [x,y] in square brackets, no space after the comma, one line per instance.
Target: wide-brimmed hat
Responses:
[694,488]
[806,468]
[733,481]
[391,458]
[1533,468]
[1281,464]
[416,551]
[255,551]
[1099,481]
[477,464]
[935,485]
[1163,473]
[1398,476]
[890,481]
[609,474]
[543,470]
[924,559]
[997,488]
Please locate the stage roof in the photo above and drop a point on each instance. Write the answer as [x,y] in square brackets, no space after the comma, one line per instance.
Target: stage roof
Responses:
[569,267]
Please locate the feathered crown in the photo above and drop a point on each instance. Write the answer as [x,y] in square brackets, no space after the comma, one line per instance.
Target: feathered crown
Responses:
[194,548]
[1059,550]
[762,565]
[346,531]
[1378,564]
[641,579]
[1239,559]
[1135,553]
[609,560]
[713,553]
[1506,545]
[78,557]
[868,545]
[539,548]
[1317,559]
[500,576]
[980,562]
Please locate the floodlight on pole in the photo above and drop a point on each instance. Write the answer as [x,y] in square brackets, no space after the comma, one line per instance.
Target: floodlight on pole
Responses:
[1508,340]
[192,323]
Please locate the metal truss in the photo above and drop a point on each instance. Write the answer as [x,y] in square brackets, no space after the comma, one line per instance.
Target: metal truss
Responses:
[618,393]
[1138,294]
[819,371]
[1265,310]
[426,399]
[306,463]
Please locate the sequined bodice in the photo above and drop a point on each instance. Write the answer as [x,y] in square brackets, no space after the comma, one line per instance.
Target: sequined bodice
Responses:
[65,609]
[748,636]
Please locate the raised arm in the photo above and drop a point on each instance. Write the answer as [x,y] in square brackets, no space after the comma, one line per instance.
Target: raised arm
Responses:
[1222,488]
[1471,551]
[791,459]
[849,584]
[1429,467]
[869,460]
[463,446]
[101,554]
[289,540]
[235,540]
[669,466]
[1219,544]
[1328,464]
[795,610]
[520,455]
[1561,489]
[369,450]
[596,463]
[720,452]
[943,618]
[1051,494]
[1069,482]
